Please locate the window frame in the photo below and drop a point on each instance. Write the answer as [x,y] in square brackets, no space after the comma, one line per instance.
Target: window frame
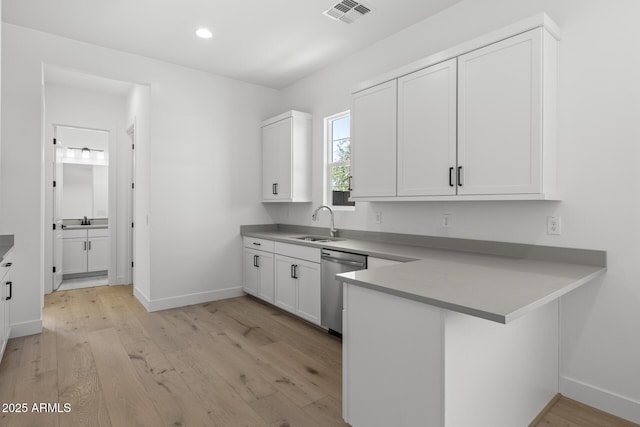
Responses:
[328,160]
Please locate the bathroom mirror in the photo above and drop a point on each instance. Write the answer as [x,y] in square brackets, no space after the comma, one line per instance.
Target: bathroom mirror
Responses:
[85,191]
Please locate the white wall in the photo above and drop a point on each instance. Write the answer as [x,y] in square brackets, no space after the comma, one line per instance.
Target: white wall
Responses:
[1,177]
[597,172]
[203,167]
[91,109]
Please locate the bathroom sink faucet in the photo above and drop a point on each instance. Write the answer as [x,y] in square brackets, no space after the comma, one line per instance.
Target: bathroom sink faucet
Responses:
[332,229]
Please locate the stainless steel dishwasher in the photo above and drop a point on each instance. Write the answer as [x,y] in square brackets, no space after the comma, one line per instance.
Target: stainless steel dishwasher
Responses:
[335,262]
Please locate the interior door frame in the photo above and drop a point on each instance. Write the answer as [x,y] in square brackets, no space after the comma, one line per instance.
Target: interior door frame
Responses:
[131,132]
[112,173]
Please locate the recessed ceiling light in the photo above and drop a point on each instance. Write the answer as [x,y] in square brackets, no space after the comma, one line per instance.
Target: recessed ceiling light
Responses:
[204,33]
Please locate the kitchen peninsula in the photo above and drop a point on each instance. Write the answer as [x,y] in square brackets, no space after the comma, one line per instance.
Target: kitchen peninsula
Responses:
[462,332]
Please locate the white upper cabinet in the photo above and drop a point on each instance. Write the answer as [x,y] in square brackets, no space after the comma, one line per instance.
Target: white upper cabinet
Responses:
[475,122]
[427,131]
[286,158]
[373,141]
[500,144]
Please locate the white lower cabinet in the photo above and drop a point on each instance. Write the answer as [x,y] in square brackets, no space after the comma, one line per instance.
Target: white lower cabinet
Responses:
[285,275]
[298,287]
[98,254]
[258,274]
[85,251]
[6,294]
[74,255]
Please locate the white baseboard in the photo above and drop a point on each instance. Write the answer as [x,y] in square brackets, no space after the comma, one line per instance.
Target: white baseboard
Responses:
[23,329]
[144,300]
[604,400]
[190,299]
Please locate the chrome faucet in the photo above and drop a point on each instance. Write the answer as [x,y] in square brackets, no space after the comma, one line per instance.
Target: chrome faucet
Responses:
[332,229]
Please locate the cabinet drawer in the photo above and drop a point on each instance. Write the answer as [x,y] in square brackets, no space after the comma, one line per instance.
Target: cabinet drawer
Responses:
[259,244]
[98,232]
[73,234]
[297,251]
[5,265]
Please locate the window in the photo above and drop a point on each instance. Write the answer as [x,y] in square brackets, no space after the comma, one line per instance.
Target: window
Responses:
[338,160]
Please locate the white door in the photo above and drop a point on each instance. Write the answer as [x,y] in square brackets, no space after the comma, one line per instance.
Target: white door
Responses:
[276,160]
[98,254]
[58,258]
[250,279]
[373,141]
[308,282]
[285,283]
[427,120]
[265,276]
[499,117]
[74,252]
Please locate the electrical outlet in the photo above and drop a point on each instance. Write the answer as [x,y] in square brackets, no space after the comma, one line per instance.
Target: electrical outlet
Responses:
[378,217]
[446,220]
[554,225]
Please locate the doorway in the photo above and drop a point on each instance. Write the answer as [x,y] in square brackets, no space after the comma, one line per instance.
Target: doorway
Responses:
[82,239]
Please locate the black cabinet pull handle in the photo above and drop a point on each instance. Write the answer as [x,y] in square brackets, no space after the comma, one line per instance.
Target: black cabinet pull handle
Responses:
[85,246]
[459,176]
[89,244]
[292,275]
[10,285]
[350,178]
[451,176]
[257,244]
[294,271]
[257,259]
[276,193]
[9,264]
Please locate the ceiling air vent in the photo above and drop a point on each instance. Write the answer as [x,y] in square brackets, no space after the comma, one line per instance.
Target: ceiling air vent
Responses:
[347,11]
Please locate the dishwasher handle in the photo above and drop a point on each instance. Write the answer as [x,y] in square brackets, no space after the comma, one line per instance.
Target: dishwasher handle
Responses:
[345,262]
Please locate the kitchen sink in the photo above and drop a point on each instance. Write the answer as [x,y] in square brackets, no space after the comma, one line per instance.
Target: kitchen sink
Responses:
[319,239]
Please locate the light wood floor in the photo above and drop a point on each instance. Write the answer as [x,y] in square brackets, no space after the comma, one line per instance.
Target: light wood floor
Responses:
[569,413]
[228,363]
[236,362]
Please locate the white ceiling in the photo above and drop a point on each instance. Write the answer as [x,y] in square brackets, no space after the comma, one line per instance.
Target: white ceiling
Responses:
[268,42]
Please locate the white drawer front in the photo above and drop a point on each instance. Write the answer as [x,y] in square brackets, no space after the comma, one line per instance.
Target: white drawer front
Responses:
[73,234]
[98,232]
[258,244]
[298,251]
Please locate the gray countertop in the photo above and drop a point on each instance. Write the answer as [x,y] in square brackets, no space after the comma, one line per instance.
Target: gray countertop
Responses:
[6,244]
[494,287]
[85,227]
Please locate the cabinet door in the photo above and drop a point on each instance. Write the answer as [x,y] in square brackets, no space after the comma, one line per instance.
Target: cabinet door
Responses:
[308,283]
[250,279]
[499,117]
[264,262]
[285,284]
[276,160]
[427,122]
[6,324]
[3,316]
[98,254]
[373,141]
[74,255]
